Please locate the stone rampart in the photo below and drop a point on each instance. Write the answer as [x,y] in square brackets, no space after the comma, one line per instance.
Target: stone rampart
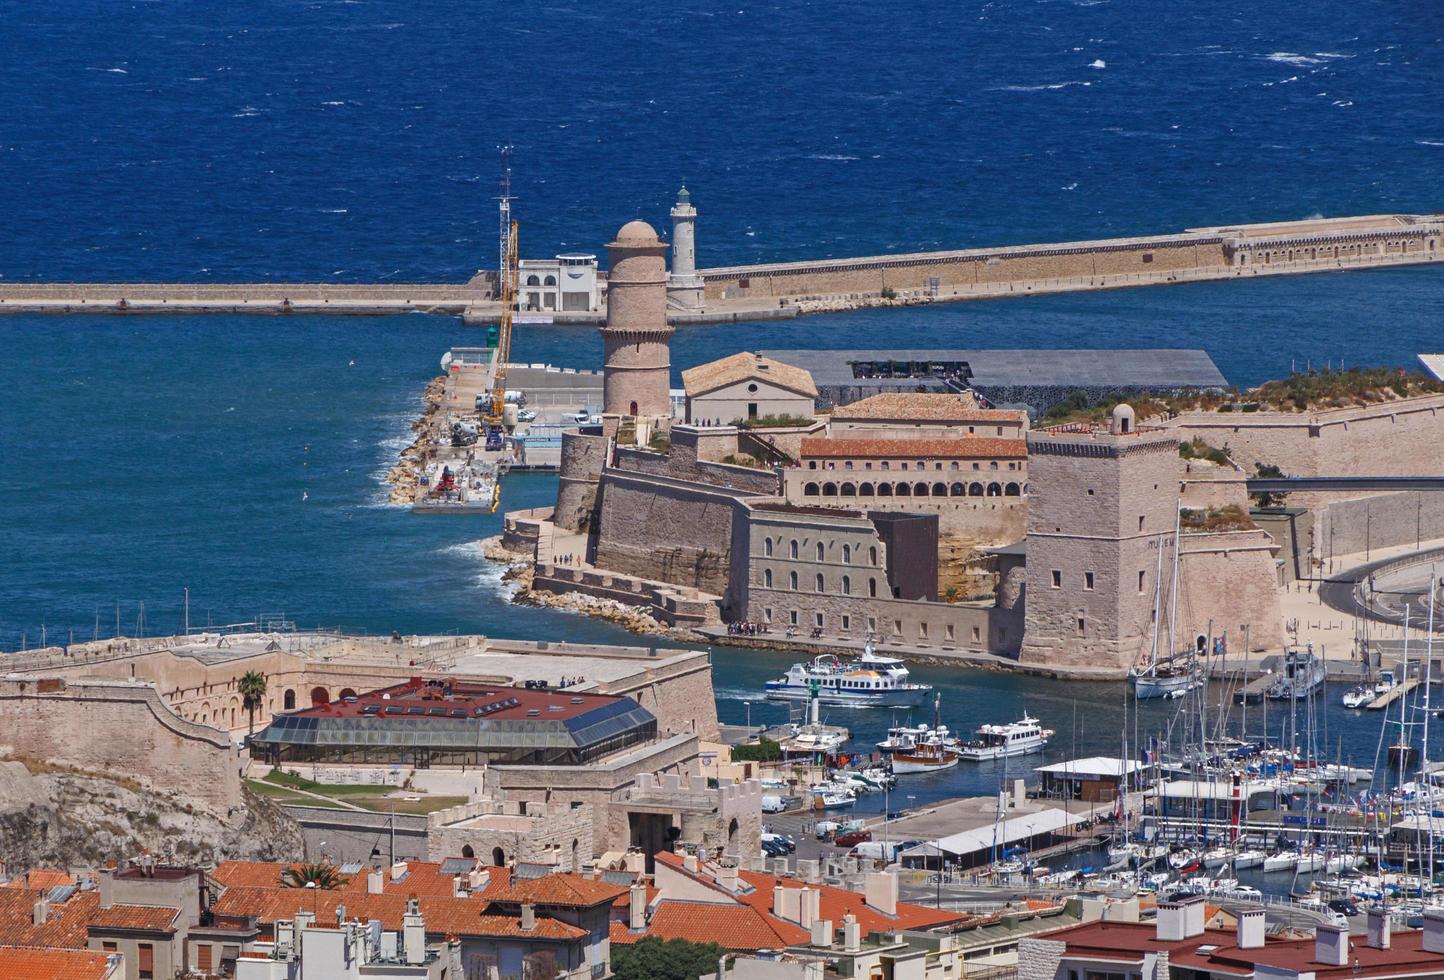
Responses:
[583,458]
[1228,581]
[521,530]
[351,835]
[1385,520]
[673,605]
[119,729]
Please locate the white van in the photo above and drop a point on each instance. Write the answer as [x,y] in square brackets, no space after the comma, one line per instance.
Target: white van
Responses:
[875,850]
[773,804]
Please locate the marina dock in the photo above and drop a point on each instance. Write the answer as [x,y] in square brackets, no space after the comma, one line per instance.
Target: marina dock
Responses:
[1393,694]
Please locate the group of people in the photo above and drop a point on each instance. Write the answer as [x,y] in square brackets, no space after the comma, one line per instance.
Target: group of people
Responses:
[747,629]
[567,560]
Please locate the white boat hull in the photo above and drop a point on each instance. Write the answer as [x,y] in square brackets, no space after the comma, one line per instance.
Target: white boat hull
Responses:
[976,753]
[895,698]
[903,765]
[1280,862]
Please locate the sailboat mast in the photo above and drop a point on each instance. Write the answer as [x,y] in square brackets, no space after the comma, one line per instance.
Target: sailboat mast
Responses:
[1173,590]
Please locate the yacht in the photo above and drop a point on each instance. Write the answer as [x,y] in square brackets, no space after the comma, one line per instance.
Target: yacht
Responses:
[1302,675]
[870,681]
[929,756]
[1357,697]
[1015,738]
[904,738]
[1248,859]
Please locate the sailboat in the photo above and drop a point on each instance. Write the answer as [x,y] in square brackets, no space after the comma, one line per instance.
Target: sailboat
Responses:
[1177,673]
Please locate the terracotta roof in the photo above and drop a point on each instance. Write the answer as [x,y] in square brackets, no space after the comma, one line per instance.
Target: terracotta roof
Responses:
[571,891]
[1131,937]
[746,366]
[738,927]
[510,925]
[925,407]
[444,915]
[41,879]
[964,447]
[147,917]
[834,903]
[422,877]
[65,926]
[25,963]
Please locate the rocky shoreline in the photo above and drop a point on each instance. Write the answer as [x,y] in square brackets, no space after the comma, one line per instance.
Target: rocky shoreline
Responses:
[404,474]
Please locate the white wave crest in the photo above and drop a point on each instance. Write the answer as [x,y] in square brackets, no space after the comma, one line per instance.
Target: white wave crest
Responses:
[839,157]
[1292,58]
[1055,86]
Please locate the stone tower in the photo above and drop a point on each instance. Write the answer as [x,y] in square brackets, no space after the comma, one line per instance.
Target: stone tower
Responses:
[1101,504]
[684,286]
[636,339]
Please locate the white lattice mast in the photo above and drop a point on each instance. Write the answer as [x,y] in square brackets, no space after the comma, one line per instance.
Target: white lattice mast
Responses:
[504,226]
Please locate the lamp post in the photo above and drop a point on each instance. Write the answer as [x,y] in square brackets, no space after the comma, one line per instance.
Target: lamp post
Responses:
[748,705]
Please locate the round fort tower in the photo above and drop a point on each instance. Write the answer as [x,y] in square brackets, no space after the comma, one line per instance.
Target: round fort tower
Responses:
[636,338]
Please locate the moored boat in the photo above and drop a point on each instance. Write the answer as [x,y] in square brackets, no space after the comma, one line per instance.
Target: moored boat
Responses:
[926,757]
[1015,738]
[870,681]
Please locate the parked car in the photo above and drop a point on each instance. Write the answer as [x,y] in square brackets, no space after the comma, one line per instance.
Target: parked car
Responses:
[852,838]
[1344,906]
[780,840]
[526,415]
[773,848]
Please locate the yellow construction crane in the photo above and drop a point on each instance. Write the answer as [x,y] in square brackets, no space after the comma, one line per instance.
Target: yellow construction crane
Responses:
[508,275]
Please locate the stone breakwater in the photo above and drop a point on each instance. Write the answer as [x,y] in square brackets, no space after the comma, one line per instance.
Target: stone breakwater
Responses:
[402,477]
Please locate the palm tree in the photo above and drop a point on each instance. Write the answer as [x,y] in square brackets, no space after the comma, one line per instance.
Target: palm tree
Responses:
[252,686]
[316,874]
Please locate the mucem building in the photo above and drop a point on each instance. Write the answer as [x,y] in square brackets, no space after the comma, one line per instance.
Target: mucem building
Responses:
[425,723]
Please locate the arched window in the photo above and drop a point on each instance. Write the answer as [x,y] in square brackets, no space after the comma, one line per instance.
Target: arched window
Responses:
[550,281]
[847,554]
[848,490]
[864,490]
[346,692]
[533,281]
[829,489]
[767,547]
[498,857]
[920,490]
[467,851]
[809,489]
[767,578]
[288,700]
[940,489]
[995,490]
[884,490]
[819,582]
[792,581]
[846,585]
[1011,490]
[821,551]
[794,548]
[975,489]
[872,587]
[903,490]
[872,555]
[319,695]
[958,490]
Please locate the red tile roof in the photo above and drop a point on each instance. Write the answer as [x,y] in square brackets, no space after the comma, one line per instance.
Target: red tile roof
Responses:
[64,927]
[745,366]
[41,879]
[834,903]
[24,963]
[964,447]
[739,927]
[149,918]
[422,878]
[1132,937]
[570,891]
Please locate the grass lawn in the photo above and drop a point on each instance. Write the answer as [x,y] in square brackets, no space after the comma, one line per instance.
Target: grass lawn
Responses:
[281,787]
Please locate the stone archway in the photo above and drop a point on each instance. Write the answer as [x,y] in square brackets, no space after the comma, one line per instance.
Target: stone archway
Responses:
[346,692]
[319,696]
[498,857]
[467,851]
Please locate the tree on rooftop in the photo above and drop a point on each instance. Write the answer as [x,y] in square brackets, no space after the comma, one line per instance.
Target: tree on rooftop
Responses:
[1275,498]
[252,686]
[314,874]
[651,958]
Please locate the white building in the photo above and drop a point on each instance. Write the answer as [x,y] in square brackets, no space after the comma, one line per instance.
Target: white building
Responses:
[350,950]
[568,283]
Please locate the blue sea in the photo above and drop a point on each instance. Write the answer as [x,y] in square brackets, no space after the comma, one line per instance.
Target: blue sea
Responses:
[241,457]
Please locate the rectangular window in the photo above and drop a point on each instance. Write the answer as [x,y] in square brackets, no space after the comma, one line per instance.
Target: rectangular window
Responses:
[1057,578]
[109,947]
[846,623]
[1140,582]
[977,635]
[948,632]
[203,957]
[1082,624]
[817,620]
[1140,522]
[897,627]
[767,614]
[1088,581]
[922,631]
[792,617]
[872,624]
[145,960]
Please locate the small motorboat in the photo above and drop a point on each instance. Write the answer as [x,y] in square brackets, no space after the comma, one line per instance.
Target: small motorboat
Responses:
[1357,697]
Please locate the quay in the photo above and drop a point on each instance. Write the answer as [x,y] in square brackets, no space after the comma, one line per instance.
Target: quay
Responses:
[787,289]
[1394,693]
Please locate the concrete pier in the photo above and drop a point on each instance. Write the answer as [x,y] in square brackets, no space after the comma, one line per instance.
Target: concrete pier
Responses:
[787,289]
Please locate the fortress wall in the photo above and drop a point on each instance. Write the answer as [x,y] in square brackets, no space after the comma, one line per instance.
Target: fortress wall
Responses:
[666,531]
[1229,579]
[989,521]
[1361,524]
[1207,485]
[119,728]
[583,457]
[682,464]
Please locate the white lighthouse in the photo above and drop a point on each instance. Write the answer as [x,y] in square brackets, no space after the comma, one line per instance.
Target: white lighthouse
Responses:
[684,286]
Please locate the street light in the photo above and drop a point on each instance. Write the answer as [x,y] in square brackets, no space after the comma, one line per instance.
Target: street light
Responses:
[749,716]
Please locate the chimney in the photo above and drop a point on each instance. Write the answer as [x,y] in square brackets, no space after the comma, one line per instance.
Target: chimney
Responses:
[787,903]
[689,861]
[1331,944]
[809,905]
[637,908]
[375,883]
[822,933]
[460,886]
[851,935]
[636,862]
[528,917]
[880,891]
[1180,919]
[398,871]
[1250,928]
[1433,930]
[40,912]
[304,921]
[1379,928]
[478,879]
[727,877]
[413,930]
[808,870]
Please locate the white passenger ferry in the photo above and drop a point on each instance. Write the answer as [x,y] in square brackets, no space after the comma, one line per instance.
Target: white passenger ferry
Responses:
[1016,738]
[870,681]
